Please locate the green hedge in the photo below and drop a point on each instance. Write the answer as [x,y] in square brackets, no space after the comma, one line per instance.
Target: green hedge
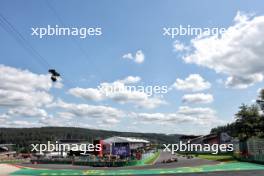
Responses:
[148,160]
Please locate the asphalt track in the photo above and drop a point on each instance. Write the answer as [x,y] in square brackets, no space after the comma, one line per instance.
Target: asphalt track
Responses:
[182,162]
[232,168]
[184,167]
[219,173]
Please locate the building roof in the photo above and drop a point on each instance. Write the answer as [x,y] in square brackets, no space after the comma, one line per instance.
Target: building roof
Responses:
[72,141]
[203,138]
[118,139]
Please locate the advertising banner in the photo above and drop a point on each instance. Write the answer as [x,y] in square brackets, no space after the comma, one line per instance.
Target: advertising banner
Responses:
[121,150]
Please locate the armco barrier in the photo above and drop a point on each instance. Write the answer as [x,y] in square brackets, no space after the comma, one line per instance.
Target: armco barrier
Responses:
[108,163]
[146,160]
[53,161]
[251,158]
[91,163]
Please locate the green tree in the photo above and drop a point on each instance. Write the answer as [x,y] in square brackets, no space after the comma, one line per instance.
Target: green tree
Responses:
[247,119]
[261,94]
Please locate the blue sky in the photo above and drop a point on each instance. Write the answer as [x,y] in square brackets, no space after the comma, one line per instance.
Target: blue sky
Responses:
[127,27]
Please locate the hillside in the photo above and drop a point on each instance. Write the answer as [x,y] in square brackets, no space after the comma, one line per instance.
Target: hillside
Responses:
[23,137]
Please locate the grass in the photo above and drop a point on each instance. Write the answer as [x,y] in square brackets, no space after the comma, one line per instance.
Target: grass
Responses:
[227,166]
[152,159]
[222,158]
[12,161]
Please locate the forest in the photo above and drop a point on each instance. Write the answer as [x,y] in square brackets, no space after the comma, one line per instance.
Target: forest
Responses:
[24,137]
[249,121]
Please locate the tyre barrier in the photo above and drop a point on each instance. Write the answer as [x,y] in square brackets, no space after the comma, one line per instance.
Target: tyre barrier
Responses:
[90,163]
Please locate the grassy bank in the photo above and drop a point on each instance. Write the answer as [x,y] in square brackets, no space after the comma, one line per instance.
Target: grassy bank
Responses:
[228,166]
[152,159]
[221,158]
[13,161]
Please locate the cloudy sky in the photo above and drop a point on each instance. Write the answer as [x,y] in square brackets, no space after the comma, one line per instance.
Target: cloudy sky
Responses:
[208,77]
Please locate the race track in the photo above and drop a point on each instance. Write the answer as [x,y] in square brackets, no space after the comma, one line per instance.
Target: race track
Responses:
[184,167]
[182,162]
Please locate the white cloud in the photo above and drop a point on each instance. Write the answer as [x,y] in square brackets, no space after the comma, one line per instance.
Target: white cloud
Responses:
[88,93]
[22,80]
[11,98]
[88,111]
[58,84]
[198,98]
[58,121]
[194,83]
[27,112]
[184,115]
[3,118]
[202,115]
[140,99]
[118,92]
[110,121]
[242,82]
[65,115]
[130,80]
[17,123]
[139,57]
[178,46]
[186,110]
[128,56]
[238,53]
[24,94]
[29,97]
[20,123]
[23,88]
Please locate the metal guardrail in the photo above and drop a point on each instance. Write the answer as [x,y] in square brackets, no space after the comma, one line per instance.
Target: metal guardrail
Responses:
[251,158]
[94,163]
[87,163]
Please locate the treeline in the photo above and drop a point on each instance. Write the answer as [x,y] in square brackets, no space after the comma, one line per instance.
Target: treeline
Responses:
[23,137]
[249,122]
